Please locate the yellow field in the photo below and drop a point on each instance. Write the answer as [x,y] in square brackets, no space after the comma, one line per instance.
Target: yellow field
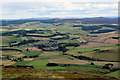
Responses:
[67,61]
[7,62]
[39,38]
[111,55]
[28,59]
[50,53]
[13,53]
[24,38]
[112,41]
[94,44]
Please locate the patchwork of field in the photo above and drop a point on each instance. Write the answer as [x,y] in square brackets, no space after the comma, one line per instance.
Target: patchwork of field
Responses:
[69,47]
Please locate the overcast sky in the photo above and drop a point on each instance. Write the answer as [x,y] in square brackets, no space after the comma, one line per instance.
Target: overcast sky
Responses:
[15,9]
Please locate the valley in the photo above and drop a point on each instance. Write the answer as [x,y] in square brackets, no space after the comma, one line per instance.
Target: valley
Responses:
[61,46]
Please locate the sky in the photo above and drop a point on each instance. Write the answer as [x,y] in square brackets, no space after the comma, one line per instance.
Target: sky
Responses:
[17,9]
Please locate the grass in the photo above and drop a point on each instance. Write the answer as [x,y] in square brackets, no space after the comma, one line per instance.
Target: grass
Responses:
[19,48]
[66,29]
[6,39]
[103,28]
[21,63]
[29,38]
[41,64]
[87,70]
[32,53]
[41,61]
[49,53]
[23,38]
[38,64]
[83,65]
[10,56]
[11,53]
[114,74]
[68,41]
[90,49]
[22,74]
[111,54]
[18,39]
[33,74]
[53,57]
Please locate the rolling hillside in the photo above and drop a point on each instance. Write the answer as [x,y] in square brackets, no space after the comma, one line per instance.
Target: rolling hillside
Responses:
[64,48]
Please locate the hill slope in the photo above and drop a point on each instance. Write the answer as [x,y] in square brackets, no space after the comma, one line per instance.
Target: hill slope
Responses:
[32,74]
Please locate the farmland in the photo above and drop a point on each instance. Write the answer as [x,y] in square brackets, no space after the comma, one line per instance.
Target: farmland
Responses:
[73,48]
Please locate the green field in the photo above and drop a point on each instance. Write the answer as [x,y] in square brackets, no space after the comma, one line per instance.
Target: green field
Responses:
[91,49]
[114,74]
[32,53]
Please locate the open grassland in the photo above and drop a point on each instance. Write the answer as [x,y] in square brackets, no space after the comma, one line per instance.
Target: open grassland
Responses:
[32,53]
[112,41]
[6,39]
[24,38]
[114,74]
[67,61]
[90,49]
[33,49]
[71,31]
[38,34]
[12,53]
[38,64]
[53,57]
[7,62]
[87,70]
[72,53]
[28,59]
[21,63]
[106,34]
[48,53]
[3,30]
[94,45]
[40,38]
[111,54]
[29,38]
[68,41]
[103,28]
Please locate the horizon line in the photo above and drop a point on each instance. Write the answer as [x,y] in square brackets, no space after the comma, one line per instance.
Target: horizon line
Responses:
[59,17]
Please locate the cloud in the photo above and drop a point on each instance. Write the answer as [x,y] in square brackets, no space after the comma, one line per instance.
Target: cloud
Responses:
[60,0]
[58,9]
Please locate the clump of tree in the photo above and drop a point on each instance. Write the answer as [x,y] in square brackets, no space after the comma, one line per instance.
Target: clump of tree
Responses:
[62,48]
[17,59]
[25,42]
[86,28]
[77,26]
[21,33]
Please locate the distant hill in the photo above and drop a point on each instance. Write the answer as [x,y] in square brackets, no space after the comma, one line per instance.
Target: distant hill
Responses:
[101,20]
[8,22]
[98,20]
